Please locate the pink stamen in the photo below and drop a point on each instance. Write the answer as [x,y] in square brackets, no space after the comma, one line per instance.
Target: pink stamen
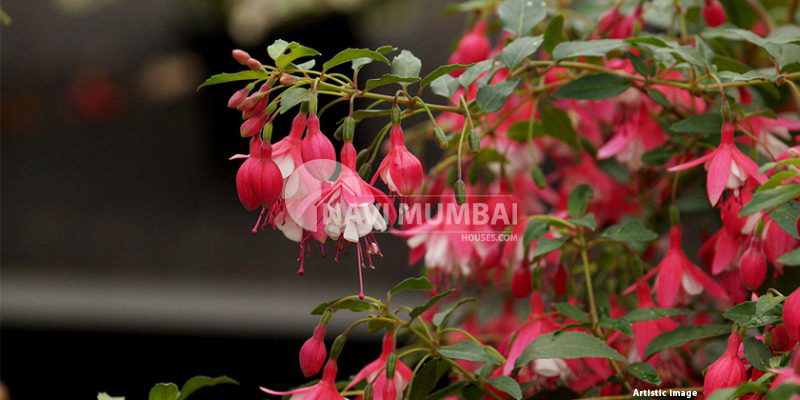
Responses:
[258,221]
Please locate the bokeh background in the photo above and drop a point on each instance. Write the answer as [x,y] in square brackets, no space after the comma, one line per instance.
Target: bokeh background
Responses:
[126,256]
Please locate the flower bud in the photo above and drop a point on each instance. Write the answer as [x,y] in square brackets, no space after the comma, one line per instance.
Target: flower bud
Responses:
[238,97]
[397,115]
[753,266]
[791,315]
[287,80]
[315,146]
[254,64]
[521,281]
[474,140]
[714,13]
[338,345]
[779,339]
[313,352]
[240,56]
[440,137]
[728,370]
[252,126]
[348,128]
[364,170]
[460,191]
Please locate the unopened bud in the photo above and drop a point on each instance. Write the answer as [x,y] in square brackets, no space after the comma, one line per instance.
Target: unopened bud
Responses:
[252,126]
[349,128]
[397,115]
[254,64]
[362,156]
[337,347]
[440,137]
[266,133]
[474,140]
[240,56]
[461,192]
[271,107]
[364,171]
[287,80]
[238,97]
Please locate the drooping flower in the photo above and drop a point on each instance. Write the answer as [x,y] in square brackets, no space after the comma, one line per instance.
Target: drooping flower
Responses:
[473,47]
[728,370]
[258,181]
[400,169]
[325,389]
[286,152]
[633,137]
[313,352]
[676,273]
[772,133]
[315,145]
[727,167]
[753,265]
[374,373]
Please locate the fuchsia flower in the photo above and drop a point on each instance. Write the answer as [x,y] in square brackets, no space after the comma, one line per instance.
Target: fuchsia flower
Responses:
[286,152]
[771,132]
[473,47]
[400,170]
[635,136]
[325,389]
[791,315]
[537,325]
[727,167]
[617,26]
[313,352]
[315,145]
[676,272]
[259,180]
[374,373]
[753,265]
[728,370]
[713,13]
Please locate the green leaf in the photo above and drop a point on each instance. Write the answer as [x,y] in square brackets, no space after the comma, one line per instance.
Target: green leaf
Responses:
[389,79]
[786,215]
[295,51]
[587,48]
[586,220]
[683,335]
[645,372]
[360,62]
[659,97]
[106,396]
[354,305]
[277,48]
[507,385]
[406,65]
[556,123]
[233,77]
[786,391]
[569,345]
[441,318]
[520,49]
[592,87]
[757,353]
[417,311]
[651,313]
[318,310]
[441,71]
[554,33]
[491,98]
[791,258]
[293,97]
[199,382]
[520,16]
[534,229]
[767,302]
[545,246]
[630,229]
[690,55]
[770,198]
[746,315]
[651,40]
[776,180]
[617,324]
[467,350]
[353,54]
[472,73]
[445,86]
[571,311]
[164,391]
[657,156]
[737,392]
[708,123]
[426,378]
[578,200]
[420,283]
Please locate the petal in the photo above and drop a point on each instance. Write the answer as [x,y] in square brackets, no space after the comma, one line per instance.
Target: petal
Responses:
[693,163]
[668,282]
[748,165]
[710,285]
[718,172]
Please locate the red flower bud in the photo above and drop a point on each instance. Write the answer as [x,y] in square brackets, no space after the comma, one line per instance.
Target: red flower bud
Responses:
[714,13]
[473,47]
[791,315]
[728,370]
[254,64]
[240,56]
[252,126]
[521,282]
[753,265]
[400,170]
[259,181]
[316,146]
[313,352]
[238,97]
[779,339]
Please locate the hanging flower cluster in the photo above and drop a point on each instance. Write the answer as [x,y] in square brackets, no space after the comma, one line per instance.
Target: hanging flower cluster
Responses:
[564,147]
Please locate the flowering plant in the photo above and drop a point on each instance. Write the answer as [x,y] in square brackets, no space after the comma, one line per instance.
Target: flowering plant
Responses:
[568,154]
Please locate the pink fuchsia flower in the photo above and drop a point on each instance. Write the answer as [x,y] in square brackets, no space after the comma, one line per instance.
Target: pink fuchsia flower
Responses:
[400,170]
[677,274]
[772,133]
[728,370]
[713,13]
[325,389]
[313,352]
[537,325]
[633,137]
[617,26]
[374,374]
[258,181]
[315,145]
[473,47]
[645,331]
[753,265]
[791,315]
[727,167]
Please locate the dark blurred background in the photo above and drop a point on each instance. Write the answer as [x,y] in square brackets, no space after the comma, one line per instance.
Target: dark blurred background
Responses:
[126,256]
